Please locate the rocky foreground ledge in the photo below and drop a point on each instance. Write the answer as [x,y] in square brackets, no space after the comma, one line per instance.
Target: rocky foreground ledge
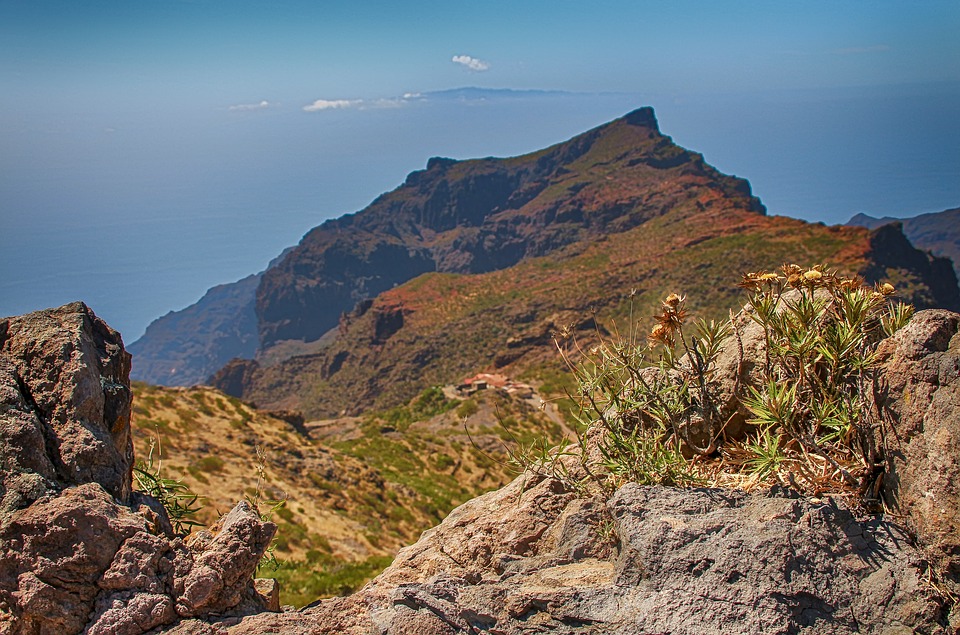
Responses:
[79,551]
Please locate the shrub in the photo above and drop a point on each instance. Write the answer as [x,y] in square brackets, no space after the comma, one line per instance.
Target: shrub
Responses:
[209,463]
[652,410]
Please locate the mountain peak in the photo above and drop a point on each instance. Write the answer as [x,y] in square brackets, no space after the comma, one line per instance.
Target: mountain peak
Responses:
[642,117]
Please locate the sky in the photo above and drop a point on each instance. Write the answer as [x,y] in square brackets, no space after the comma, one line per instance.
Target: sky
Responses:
[150,149]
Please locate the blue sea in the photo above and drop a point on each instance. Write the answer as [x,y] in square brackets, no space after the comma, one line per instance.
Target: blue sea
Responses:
[140,219]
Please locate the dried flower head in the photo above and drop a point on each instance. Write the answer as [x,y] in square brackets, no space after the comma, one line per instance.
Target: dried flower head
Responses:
[812,275]
[673,300]
[661,334]
[850,284]
[756,280]
[791,269]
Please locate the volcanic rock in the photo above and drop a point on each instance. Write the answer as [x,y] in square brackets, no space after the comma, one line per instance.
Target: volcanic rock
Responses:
[81,551]
[534,558]
[920,394]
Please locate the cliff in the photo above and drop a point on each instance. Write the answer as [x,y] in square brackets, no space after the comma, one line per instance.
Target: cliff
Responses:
[184,347]
[938,233]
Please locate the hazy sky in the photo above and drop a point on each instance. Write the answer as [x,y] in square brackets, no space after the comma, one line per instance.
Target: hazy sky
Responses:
[159,58]
[152,148]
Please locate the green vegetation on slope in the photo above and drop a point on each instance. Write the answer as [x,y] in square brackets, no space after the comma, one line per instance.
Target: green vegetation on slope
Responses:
[354,493]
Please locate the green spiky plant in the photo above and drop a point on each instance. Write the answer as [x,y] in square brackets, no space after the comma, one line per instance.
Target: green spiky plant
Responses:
[181,503]
[821,332]
[650,411]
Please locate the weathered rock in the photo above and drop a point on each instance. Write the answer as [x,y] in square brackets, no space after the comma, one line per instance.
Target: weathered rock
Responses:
[80,552]
[920,393]
[65,405]
[226,557]
[532,558]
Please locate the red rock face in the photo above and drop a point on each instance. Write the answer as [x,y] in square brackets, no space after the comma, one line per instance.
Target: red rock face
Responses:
[80,552]
[68,389]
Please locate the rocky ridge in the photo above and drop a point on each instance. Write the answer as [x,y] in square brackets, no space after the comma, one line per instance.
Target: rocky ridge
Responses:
[80,550]
[454,216]
[442,326]
[488,214]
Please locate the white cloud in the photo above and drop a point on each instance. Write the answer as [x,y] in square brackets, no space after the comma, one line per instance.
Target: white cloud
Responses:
[859,50]
[332,104]
[472,63]
[260,106]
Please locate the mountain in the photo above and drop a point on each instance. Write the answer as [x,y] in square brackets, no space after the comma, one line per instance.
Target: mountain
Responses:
[488,214]
[472,265]
[511,252]
[184,347]
[442,326]
[454,216]
[938,232]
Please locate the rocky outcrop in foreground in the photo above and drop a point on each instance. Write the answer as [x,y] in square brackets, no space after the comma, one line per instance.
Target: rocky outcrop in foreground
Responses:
[535,558]
[79,550]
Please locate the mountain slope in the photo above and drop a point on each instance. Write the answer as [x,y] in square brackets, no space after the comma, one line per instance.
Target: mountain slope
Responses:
[355,490]
[938,232]
[183,347]
[439,327]
[488,214]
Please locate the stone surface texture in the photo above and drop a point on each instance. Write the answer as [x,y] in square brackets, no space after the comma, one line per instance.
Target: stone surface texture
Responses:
[532,558]
[920,394]
[80,552]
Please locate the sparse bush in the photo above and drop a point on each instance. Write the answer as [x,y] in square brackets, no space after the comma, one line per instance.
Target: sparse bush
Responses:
[467,409]
[209,464]
[652,409]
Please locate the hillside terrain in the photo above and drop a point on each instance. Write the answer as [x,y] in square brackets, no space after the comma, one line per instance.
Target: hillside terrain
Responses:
[354,490]
[938,232]
[85,552]
[441,326]
[478,265]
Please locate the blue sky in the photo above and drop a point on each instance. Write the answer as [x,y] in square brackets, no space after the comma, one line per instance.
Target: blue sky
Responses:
[150,149]
[171,53]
